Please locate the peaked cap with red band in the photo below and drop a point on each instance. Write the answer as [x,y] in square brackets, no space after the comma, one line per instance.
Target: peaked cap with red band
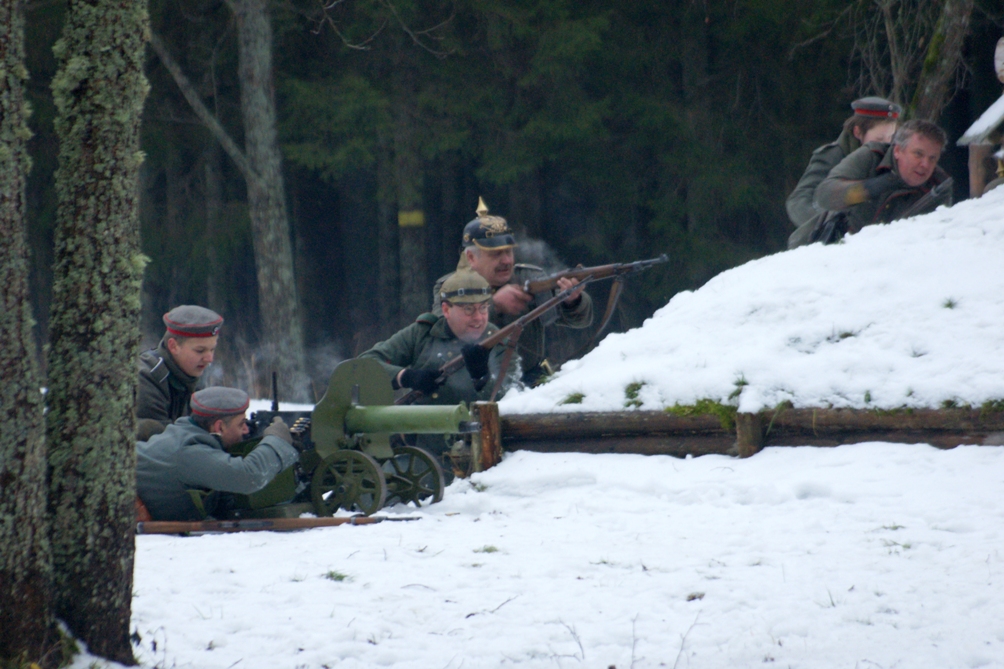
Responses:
[219,402]
[190,320]
[874,107]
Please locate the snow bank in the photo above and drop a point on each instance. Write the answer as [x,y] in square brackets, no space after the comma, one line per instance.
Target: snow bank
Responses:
[903,315]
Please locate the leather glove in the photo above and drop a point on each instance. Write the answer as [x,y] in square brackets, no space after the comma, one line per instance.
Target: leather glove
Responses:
[883,183]
[476,361]
[279,429]
[423,380]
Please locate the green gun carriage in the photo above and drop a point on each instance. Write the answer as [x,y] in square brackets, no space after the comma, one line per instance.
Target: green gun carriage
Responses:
[347,460]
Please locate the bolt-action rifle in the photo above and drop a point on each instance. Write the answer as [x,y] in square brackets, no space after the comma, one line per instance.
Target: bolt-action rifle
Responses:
[509,334]
[616,271]
[925,201]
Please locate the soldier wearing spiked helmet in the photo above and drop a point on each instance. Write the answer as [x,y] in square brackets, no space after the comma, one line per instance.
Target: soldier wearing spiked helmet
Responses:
[488,250]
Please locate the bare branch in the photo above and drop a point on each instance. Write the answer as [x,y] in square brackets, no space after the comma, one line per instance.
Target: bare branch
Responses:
[207,118]
[414,37]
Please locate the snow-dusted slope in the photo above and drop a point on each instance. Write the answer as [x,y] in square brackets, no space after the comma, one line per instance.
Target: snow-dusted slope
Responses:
[908,314]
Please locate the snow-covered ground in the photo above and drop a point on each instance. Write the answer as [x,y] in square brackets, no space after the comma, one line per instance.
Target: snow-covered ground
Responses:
[903,315]
[866,556]
[873,555]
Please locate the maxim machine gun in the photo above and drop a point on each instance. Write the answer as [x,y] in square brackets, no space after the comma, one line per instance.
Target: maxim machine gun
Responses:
[346,457]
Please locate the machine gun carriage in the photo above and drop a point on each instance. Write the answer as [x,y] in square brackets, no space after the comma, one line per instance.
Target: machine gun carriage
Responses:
[347,460]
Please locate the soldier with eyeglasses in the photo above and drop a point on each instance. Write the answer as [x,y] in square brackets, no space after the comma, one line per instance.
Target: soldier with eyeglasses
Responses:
[413,356]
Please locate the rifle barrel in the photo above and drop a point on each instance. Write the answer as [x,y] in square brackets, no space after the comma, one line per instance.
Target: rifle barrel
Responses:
[253,524]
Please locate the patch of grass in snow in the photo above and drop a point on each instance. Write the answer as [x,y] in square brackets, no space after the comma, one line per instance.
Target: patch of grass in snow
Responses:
[337,576]
[739,383]
[631,394]
[840,336]
[868,397]
[950,303]
[573,398]
[894,526]
[991,407]
[725,413]
[486,549]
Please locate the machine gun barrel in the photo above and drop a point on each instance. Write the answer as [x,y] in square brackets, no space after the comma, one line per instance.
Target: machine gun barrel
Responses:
[428,419]
[537,286]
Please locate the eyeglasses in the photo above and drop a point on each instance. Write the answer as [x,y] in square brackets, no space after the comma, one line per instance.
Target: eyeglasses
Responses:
[471,309]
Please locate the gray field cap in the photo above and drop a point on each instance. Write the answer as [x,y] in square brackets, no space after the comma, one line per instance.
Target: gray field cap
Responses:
[220,402]
[875,107]
[465,287]
[190,320]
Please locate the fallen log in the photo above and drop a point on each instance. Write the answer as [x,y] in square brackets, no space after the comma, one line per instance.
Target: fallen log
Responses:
[658,432]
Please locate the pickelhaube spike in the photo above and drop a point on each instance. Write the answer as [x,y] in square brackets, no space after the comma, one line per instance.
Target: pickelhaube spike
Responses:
[482,209]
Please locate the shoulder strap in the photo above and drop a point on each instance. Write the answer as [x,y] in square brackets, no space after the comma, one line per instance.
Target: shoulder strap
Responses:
[427,318]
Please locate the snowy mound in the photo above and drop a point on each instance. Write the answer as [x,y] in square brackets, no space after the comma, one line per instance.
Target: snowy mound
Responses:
[903,315]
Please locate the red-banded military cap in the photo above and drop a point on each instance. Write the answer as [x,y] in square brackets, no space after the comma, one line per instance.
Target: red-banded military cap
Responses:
[190,320]
[219,402]
[874,107]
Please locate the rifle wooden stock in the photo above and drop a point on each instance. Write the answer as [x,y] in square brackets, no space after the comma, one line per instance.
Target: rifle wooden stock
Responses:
[537,286]
[927,198]
[252,524]
[457,363]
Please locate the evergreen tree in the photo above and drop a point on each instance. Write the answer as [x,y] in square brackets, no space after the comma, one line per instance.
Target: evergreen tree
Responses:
[99,92]
[26,622]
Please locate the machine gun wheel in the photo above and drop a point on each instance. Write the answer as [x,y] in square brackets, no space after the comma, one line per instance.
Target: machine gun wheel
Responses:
[348,480]
[413,475]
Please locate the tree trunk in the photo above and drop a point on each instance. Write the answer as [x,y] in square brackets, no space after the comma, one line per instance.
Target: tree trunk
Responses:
[944,53]
[99,92]
[415,284]
[282,327]
[27,631]
[387,242]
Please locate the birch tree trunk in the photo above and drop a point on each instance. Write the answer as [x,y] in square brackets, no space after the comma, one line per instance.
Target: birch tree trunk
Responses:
[282,327]
[99,91]
[27,631]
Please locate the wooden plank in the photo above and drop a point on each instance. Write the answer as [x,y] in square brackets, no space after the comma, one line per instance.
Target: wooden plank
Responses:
[520,427]
[749,434]
[643,445]
[486,445]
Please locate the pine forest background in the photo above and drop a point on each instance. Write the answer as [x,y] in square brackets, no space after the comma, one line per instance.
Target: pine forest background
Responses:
[603,131]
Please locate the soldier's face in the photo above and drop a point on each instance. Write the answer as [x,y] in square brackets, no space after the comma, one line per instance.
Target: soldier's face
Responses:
[495,265]
[882,132]
[193,354]
[232,430]
[468,321]
[917,159]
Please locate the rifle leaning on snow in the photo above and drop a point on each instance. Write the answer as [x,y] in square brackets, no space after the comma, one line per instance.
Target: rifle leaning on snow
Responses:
[615,271]
[927,198]
[833,227]
[510,334]
[254,524]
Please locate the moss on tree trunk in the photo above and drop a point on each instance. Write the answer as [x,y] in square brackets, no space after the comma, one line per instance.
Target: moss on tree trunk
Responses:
[99,92]
[27,632]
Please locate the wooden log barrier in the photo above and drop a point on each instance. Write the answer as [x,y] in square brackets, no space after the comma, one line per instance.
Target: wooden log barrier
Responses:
[661,433]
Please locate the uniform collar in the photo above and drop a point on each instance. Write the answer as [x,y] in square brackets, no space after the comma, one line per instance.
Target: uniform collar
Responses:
[189,382]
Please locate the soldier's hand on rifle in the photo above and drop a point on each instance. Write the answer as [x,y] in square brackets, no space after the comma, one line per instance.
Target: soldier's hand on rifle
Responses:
[511,299]
[423,380]
[564,283]
[279,429]
[476,361]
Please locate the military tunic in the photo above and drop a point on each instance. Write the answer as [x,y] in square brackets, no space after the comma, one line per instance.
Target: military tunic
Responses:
[428,343]
[185,457]
[800,204]
[164,390]
[871,160]
[532,344]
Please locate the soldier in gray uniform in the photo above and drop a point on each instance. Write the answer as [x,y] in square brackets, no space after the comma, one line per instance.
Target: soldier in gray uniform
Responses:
[170,373]
[181,472]
[874,120]
[413,356]
[879,182]
[488,250]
